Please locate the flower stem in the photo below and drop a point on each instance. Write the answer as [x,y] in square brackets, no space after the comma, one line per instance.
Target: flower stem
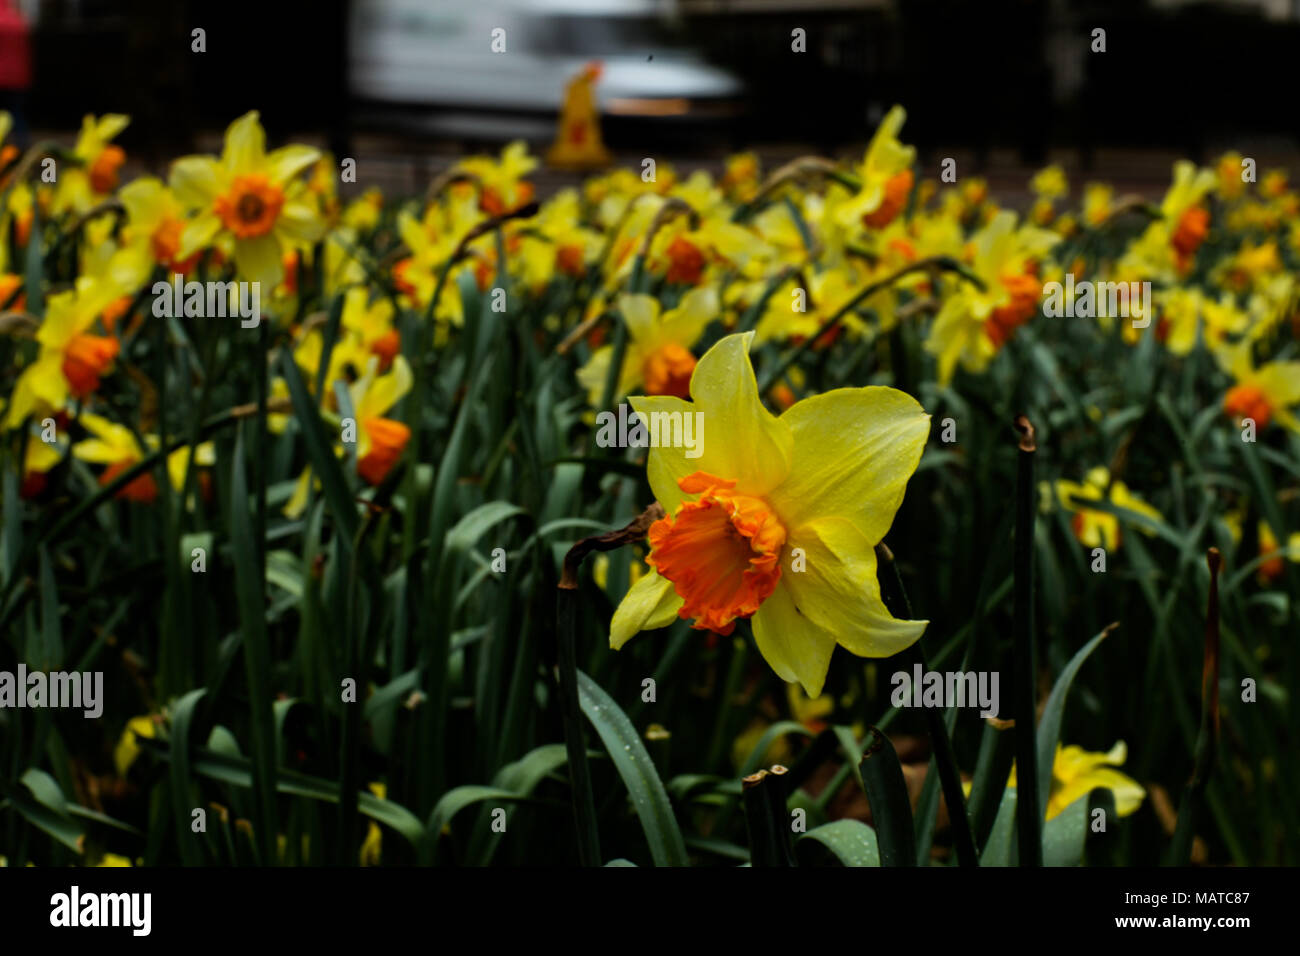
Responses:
[895,597]
[1029,816]
[1207,740]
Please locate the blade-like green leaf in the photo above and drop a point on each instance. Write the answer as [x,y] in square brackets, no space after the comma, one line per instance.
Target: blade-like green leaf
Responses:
[638,772]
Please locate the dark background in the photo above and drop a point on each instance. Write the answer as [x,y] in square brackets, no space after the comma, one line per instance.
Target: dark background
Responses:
[980,74]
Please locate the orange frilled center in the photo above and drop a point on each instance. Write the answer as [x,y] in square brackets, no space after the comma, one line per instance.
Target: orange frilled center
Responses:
[388,440]
[721,552]
[667,371]
[85,359]
[569,260]
[386,347]
[1023,290]
[897,189]
[685,261]
[141,488]
[251,206]
[493,203]
[1248,401]
[1193,226]
[104,170]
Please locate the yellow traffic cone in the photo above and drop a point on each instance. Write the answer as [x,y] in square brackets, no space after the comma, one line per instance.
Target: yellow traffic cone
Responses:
[577,143]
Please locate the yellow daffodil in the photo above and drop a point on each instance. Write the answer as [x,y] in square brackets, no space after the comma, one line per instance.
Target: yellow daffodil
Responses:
[94,177]
[362,214]
[1271,568]
[777,519]
[117,447]
[128,749]
[370,325]
[1100,529]
[1263,394]
[1076,772]
[432,240]
[250,197]
[973,324]
[1097,199]
[502,184]
[886,176]
[795,313]
[1186,314]
[658,356]
[155,222]
[380,441]
[1050,183]
[372,850]
[71,359]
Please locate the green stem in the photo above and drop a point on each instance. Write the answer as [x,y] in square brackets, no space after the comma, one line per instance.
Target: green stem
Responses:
[1029,815]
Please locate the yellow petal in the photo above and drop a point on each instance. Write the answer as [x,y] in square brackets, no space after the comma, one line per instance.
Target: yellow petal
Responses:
[854,451]
[793,646]
[259,260]
[198,233]
[298,220]
[639,312]
[288,161]
[245,147]
[741,439]
[838,590]
[196,181]
[386,391]
[686,323]
[650,603]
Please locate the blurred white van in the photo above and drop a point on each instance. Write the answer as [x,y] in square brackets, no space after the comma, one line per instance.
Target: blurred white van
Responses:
[436,58]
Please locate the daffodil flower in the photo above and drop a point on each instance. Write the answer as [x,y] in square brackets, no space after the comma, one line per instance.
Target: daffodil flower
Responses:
[973,324]
[1263,394]
[1077,772]
[503,187]
[380,441]
[1100,529]
[778,518]
[795,313]
[117,447]
[1271,567]
[155,223]
[248,196]
[658,356]
[886,176]
[95,176]
[71,359]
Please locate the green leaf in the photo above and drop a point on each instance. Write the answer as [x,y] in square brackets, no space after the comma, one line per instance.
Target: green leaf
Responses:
[638,772]
[852,842]
[51,657]
[466,532]
[182,785]
[1049,726]
[891,809]
[237,772]
[30,801]
[1065,833]
[320,450]
[456,800]
[1000,848]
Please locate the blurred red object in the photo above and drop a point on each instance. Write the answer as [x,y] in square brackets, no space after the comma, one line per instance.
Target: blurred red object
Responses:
[15,49]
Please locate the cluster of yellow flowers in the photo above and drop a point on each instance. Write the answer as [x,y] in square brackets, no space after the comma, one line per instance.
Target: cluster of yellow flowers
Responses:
[670,260]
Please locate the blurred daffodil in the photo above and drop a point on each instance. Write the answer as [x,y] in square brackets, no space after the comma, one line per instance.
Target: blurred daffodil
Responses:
[1076,772]
[1100,529]
[250,197]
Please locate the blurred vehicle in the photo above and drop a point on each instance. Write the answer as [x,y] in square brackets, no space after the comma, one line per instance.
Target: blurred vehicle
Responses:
[431,65]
